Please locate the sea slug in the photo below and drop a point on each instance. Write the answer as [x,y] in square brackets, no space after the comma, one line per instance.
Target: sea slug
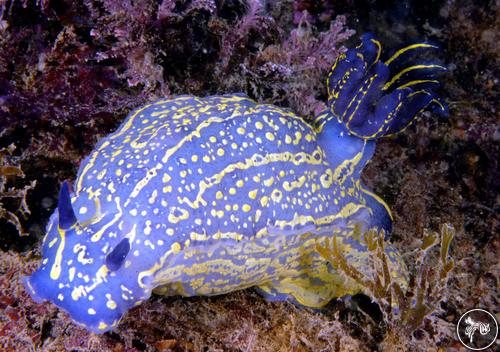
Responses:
[203,196]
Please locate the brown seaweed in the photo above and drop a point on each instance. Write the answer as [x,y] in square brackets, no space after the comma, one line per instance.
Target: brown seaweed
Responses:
[404,308]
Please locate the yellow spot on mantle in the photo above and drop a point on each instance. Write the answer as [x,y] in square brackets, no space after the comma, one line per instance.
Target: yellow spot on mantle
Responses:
[176,247]
[53,242]
[252,194]
[269,181]
[174,218]
[166,177]
[111,304]
[264,200]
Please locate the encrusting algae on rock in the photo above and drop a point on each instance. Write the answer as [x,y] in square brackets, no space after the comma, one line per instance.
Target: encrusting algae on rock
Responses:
[204,196]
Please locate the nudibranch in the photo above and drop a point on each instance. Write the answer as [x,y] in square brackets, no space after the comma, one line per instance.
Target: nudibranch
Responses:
[204,196]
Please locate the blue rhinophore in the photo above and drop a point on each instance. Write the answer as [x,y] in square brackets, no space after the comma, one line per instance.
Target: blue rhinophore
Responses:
[203,196]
